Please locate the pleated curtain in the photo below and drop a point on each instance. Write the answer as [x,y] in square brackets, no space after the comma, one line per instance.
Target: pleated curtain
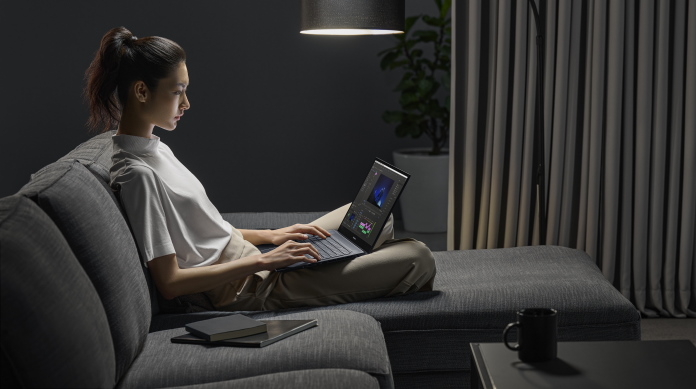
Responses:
[619,123]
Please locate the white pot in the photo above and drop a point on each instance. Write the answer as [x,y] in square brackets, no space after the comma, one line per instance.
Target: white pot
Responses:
[424,201]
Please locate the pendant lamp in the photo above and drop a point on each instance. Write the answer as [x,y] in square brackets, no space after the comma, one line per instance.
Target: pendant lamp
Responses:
[352,17]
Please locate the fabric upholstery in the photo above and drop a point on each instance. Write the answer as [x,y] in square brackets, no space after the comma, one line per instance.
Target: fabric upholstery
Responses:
[477,292]
[54,328]
[269,220]
[87,216]
[95,154]
[343,339]
[300,379]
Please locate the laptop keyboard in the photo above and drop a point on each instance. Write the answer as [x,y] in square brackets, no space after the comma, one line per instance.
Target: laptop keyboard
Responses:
[327,248]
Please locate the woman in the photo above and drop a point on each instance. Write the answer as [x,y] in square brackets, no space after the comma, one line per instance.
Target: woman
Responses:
[138,84]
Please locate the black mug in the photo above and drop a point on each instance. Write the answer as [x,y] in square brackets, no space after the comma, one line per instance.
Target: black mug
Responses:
[536,333]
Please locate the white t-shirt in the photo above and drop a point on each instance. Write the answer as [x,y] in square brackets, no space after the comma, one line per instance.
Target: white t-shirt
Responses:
[166,205]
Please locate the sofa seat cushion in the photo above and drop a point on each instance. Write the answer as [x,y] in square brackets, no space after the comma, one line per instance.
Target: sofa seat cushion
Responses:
[477,292]
[54,328]
[342,340]
[300,379]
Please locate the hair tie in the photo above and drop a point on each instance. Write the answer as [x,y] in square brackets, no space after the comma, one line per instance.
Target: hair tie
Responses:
[130,40]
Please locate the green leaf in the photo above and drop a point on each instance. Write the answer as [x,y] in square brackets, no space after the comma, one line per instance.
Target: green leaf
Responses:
[392,116]
[381,53]
[408,98]
[426,35]
[417,53]
[445,8]
[388,59]
[409,22]
[433,21]
[410,43]
[405,129]
[425,86]
[405,84]
[398,64]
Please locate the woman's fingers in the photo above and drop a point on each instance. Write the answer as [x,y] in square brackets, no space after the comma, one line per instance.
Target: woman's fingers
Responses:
[306,249]
[311,229]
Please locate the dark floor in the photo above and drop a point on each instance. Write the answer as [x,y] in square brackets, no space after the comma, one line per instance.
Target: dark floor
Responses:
[668,328]
[651,329]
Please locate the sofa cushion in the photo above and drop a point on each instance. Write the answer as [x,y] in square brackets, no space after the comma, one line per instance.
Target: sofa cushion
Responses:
[300,379]
[477,292]
[95,154]
[54,328]
[343,339]
[87,216]
[269,220]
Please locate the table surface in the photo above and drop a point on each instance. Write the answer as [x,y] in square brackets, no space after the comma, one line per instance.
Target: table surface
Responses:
[618,364]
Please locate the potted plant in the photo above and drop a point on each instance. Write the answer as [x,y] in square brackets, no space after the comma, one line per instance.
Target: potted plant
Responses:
[423,52]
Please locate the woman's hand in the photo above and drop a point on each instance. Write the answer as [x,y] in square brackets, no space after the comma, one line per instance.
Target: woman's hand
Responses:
[297,232]
[288,253]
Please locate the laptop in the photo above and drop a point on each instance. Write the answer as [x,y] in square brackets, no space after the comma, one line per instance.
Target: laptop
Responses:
[364,221]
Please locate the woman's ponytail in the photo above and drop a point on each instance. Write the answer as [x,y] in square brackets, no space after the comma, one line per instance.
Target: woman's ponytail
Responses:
[121,60]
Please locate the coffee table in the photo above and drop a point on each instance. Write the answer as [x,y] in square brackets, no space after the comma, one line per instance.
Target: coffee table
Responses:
[644,364]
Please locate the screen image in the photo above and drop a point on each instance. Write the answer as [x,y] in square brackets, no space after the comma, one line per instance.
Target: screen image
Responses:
[380,191]
[373,204]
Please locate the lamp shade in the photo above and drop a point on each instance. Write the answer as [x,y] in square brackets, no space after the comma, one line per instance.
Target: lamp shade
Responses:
[352,17]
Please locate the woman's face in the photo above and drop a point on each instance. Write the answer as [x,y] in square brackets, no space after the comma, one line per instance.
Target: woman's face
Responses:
[168,102]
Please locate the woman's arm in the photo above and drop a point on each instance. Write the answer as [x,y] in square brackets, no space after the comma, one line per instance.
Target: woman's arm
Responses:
[171,281]
[282,235]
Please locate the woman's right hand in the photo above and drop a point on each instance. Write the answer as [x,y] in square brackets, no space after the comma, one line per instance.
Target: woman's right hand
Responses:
[288,253]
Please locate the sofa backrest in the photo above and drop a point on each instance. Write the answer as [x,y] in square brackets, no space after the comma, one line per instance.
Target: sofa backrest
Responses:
[86,214]
[95,155]
[55,331]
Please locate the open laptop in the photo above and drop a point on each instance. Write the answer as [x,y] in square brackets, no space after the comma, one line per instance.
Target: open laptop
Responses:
[364,221]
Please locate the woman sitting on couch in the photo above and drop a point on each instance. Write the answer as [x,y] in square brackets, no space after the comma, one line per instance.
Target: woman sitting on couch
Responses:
[139,84]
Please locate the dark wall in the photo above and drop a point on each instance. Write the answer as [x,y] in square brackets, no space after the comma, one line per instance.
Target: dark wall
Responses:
[273,111]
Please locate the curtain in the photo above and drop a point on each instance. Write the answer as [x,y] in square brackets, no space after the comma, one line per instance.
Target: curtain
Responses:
[619,92]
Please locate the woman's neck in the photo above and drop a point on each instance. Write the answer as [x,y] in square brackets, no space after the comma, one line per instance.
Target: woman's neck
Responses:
[133,125]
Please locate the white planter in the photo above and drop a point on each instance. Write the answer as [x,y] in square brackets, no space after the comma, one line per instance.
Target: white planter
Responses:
[424,201]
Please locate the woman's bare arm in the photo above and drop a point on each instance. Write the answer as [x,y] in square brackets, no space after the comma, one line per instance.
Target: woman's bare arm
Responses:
[172,281]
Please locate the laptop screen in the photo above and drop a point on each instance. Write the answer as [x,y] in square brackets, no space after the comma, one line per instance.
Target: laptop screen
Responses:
[372,206]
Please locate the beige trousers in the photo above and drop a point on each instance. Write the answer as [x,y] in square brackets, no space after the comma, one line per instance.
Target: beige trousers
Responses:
[395,267]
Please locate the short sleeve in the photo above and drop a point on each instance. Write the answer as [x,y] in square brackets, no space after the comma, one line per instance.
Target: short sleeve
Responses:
[141,196]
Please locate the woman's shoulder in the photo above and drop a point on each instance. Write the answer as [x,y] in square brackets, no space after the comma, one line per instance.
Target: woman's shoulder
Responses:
[126,169]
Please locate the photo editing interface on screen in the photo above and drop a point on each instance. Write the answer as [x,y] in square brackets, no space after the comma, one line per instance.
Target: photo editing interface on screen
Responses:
[374,202]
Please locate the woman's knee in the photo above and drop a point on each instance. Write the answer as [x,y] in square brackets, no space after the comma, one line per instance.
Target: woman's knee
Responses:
[417,254]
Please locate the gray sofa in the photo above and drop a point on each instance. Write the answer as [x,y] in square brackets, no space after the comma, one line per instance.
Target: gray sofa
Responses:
[79,309]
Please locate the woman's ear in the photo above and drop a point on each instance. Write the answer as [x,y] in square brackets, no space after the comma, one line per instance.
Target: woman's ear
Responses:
[142,93]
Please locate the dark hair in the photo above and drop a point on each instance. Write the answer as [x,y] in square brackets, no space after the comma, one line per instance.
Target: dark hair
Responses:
[121,60]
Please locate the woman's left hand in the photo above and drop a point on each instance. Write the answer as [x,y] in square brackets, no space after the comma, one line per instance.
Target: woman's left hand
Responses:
[297,232]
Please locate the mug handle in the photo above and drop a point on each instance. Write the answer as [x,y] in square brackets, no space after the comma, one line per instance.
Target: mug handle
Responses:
[505,335]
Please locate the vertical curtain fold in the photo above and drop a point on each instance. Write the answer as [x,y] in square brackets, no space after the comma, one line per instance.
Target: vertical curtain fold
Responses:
[620,136]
